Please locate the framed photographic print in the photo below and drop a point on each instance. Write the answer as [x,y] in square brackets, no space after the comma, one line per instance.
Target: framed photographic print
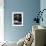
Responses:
[17,19]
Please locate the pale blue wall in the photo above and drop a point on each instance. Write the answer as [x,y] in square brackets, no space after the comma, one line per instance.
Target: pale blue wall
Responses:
[43,6]
[28,7]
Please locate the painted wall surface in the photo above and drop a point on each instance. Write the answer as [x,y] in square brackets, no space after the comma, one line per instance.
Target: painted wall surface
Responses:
[43,6]
[28,7]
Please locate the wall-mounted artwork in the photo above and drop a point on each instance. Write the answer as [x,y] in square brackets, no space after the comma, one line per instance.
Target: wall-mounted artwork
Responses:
[17,19]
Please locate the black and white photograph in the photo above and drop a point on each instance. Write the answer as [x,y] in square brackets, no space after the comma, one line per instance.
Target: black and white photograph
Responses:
[17,18]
